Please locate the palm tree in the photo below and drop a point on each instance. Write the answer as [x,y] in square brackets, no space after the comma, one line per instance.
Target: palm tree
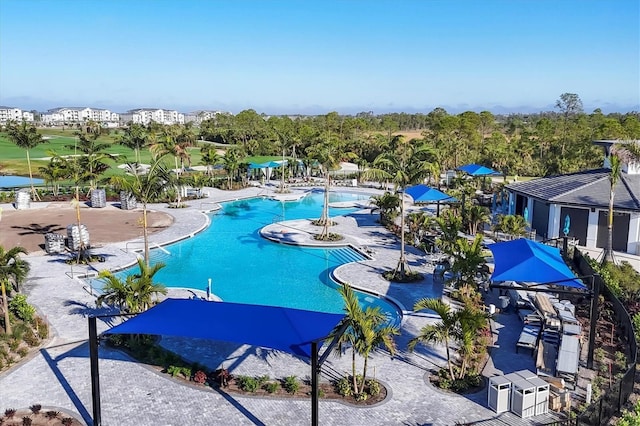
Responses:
[477,216]
[471,321]
[146,187]
[134,137]
[26,137]
[366,330]
[232,160]
[210,157]
[14,271]
[620,153]
[135,293]
[388,205]
[442,332]
[328,154]
[92,162]
[404,166]
[54,172]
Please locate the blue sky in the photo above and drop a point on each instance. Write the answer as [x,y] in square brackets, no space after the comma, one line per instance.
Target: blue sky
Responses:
[319,56]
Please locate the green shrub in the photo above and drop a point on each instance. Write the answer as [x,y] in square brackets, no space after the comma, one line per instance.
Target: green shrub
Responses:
[20,308]
[373,386]
[272,387]
[174,370]
[343,387]
[291,384]
[248,383]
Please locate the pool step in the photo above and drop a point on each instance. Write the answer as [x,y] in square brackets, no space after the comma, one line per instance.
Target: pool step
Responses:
[346,255]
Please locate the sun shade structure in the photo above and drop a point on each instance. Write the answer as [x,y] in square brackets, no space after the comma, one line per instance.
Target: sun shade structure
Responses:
[426,194]
[284,329]
[478,170]
[295,331]
[526,260]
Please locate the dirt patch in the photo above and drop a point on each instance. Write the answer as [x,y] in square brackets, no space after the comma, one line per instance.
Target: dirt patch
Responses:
[27,228]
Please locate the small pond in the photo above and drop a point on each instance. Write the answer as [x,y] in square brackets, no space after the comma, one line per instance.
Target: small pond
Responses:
[16,181]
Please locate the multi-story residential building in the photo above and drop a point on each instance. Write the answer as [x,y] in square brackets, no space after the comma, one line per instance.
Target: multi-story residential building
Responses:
[77,115]
[15,114]
[198,117]
[147,115]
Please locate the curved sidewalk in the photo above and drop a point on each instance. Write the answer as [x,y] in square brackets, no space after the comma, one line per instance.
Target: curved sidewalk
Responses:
[132,394]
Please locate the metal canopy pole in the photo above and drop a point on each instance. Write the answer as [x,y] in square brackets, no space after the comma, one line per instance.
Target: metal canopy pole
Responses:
[95,375]
[314,383]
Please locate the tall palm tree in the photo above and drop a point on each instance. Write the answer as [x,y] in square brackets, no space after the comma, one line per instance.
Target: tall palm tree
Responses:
[471,321]
[54,172]
[443,331]
[210,157]
[92,162]
[146,187]
[134,137]
[232,159]
[620,153]
[404,166]
[328,153]
[26,137]
[14,271]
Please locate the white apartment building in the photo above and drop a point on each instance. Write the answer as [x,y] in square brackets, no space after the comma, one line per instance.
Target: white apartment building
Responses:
[198,117]
[15,114]
[147,115]
[77,115]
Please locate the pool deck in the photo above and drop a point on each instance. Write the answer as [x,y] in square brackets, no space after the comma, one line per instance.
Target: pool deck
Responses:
[133,394]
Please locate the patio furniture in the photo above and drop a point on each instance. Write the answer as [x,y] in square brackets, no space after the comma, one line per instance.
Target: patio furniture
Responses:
[528,338]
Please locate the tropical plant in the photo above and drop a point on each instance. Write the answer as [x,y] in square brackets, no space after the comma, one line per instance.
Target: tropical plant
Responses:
[328,154]
[13,271]
[388,204]
[26,137]
[404,166]
[135,293]
[146,186]
[620,153]
[232,159]
[92,162]
[55,170]
[134,137]
[365,330]
[476,217]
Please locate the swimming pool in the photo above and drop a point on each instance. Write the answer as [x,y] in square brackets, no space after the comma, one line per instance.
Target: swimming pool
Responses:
[246,268]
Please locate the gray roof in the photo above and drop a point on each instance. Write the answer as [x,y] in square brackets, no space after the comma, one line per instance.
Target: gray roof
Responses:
[589,188]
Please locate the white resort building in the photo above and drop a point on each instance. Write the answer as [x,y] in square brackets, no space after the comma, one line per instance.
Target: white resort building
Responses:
[15,114]
[59,116]
[147,115]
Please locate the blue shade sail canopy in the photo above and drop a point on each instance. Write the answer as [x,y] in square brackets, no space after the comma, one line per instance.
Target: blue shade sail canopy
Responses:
[286,329]
[426,194]
[478,170]
[525,260]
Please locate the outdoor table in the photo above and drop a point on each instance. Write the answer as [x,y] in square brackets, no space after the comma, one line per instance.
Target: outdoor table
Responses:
[528,338]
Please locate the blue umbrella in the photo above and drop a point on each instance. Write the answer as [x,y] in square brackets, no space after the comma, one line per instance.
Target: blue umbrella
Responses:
[567,225]
[426,194]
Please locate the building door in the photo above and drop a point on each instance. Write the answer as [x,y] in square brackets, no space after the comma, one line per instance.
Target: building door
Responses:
[579,222]
[540,220]
[620,230]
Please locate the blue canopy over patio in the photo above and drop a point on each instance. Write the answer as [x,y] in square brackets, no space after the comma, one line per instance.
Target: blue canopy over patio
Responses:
[526,260]
[295,331]
[286,329]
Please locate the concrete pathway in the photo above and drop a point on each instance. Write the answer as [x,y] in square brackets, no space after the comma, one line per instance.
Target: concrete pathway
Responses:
[133,394]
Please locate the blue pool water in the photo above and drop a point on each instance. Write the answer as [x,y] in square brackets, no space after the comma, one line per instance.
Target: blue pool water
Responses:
[246,268]
[14,181]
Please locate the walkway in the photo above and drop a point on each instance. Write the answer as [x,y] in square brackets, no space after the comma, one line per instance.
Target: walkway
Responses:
[133,394]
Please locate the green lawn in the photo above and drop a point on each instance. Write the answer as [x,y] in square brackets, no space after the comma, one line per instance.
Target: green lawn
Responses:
[13,160]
